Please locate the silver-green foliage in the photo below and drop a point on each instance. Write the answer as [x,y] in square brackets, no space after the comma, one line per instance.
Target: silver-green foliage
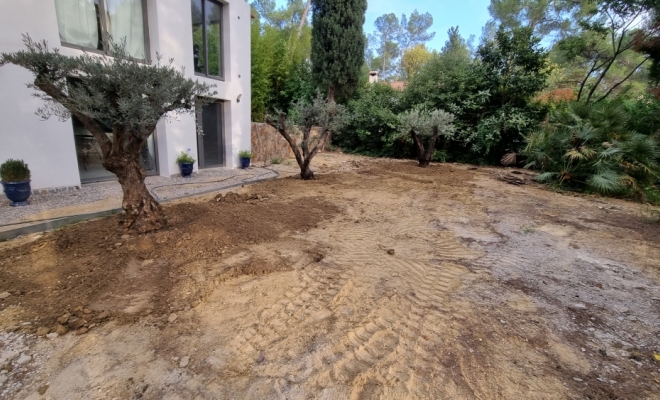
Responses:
[587,146]
[117,88]
[420,125]
[326,117]
[424,123]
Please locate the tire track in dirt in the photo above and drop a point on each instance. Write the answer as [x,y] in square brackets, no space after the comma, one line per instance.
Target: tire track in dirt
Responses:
[385,348]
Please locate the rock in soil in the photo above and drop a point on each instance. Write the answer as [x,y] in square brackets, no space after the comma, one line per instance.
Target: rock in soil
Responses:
[172,318]
[61,330]
[52,336]
[4,295]
[76,323]
[42,389]
[43,331]
[184,362]
[64,318]
[24,358]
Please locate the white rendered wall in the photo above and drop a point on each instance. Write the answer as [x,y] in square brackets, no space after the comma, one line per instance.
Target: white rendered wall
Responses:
[48,146]
[171,37]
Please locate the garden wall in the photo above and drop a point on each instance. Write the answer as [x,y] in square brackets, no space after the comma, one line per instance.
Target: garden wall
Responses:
[268,144]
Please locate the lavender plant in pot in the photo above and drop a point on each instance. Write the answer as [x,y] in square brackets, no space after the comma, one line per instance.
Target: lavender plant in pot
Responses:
[15,176]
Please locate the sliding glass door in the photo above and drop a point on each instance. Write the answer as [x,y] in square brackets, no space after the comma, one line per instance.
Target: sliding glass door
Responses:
[89,155]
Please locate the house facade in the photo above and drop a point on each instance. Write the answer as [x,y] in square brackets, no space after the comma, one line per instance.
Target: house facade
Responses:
[209,38]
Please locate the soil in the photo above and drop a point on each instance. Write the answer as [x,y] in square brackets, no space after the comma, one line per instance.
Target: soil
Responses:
[382,280]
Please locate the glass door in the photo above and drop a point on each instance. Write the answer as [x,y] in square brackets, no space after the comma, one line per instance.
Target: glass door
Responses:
[89,154]
[210,145]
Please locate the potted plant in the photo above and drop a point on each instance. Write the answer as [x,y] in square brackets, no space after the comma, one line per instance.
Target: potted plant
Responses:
[15,176]
[185,161]
[245,156]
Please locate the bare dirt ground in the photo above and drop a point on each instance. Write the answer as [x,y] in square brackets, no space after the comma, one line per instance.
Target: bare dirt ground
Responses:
[384,281]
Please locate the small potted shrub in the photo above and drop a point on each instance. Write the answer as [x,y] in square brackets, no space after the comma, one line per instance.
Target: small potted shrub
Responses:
[15,176]
[245,156]
[185,161]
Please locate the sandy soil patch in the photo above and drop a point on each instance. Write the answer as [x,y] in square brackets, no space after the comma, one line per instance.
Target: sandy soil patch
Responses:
[383,281]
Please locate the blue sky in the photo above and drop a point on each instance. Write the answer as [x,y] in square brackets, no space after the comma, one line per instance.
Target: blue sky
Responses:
[469,15]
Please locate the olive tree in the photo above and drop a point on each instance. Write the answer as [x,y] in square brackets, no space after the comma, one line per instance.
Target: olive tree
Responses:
[424,126]
[118,93]
[319,115]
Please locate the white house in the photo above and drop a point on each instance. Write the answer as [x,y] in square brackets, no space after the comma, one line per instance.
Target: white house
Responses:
[210,38]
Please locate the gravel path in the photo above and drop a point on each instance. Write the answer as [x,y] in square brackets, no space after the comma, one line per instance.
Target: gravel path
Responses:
[162,188]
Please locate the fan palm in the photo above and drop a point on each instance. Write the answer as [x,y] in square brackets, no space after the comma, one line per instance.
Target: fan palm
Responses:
[587,146]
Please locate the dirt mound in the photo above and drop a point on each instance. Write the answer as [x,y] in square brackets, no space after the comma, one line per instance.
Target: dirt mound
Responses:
[94,270]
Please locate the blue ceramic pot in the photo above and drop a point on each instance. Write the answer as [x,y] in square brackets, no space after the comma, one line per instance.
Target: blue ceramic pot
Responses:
[17,192]
[186,169]
[245,162]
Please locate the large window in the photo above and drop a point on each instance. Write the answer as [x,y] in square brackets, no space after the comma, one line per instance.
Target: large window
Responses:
[89,24]
[207,37]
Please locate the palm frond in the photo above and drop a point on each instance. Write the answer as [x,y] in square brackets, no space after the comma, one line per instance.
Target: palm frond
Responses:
[606,182]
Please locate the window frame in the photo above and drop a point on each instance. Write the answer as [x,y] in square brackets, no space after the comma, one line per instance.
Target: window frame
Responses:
[221,60]
[104,34]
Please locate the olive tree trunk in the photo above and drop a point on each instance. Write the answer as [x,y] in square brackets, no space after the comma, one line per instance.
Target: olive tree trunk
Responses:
[143,212]
[424,155]
[303,153]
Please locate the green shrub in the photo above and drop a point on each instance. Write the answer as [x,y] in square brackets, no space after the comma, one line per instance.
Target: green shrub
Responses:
[245,154]
[276,160]
[185,158]
[373,126]
[14,171]
[587,147]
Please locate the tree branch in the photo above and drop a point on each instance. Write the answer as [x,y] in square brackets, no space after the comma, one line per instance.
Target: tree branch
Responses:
[623,80]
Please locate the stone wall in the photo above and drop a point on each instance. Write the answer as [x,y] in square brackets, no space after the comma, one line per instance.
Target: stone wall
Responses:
[268,144]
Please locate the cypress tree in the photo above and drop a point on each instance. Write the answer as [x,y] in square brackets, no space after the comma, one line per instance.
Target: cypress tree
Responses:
[337,44]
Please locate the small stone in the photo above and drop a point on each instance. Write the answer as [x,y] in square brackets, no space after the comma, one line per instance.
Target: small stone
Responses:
[125,236]
[172,318]
[43,331]
[592,329]
[61,330]
[103,315]
[87,311]
[390,252]
[42,389]
[502,321]
[79,308]
[24,358]
[82,331]
[184,362]
[52,336]
[4,295]
[577,379]
[578,306]
[64,318]
[118,244]
[583,349]
[76,323]
[195,303]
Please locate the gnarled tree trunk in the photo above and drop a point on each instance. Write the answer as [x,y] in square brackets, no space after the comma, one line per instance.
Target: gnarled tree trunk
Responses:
[143,212]
[304,157]
[424,155]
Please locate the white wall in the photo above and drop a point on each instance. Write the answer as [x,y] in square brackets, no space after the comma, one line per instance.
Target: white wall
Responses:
[48,146]
[171,36]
